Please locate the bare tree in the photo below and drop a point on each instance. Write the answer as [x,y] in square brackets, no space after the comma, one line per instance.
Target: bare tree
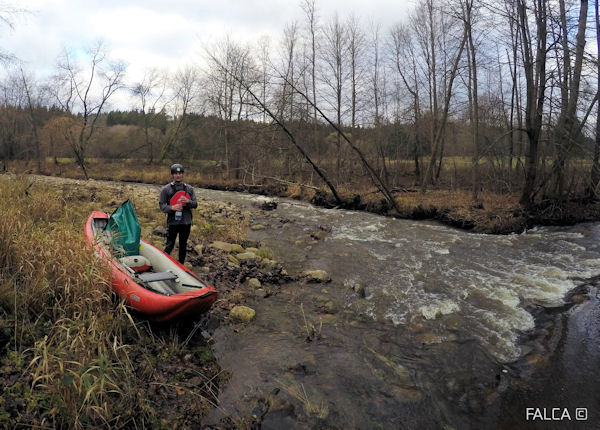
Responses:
[468,12]
[433,31]
[222,88]
[516,132]
[152,100]
[377,181]
[334,55]
[595,175]
[84,92]
[32,104]
[12,124]
[289,44]
[567,124]
[8,13]
[279,121]
[405,62]
[534,51]
[310,10]
[186,89]
[264,60]
[377,86]
[356,51]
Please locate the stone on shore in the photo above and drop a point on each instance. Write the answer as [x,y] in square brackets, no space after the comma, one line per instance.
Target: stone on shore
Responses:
[237,248]
[254,283]
[223,246]
[233,260]
[242,314]
[246,256]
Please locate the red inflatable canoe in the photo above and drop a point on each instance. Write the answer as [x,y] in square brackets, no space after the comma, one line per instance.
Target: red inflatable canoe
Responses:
[152,282]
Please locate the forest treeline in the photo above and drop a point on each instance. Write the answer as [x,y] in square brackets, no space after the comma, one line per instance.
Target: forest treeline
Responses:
[488,96]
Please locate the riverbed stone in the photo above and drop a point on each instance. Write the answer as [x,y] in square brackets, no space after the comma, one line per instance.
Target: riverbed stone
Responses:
[242,314]
[246,256]
[326,306]
[317,276]
[318,235]
[233,260]
[329,319]
[536,360]
[223,246]
[257,227]
[199,250]
[237,248]
[254,283]
[253,250]
[279,405]
[359,290]
[267,263]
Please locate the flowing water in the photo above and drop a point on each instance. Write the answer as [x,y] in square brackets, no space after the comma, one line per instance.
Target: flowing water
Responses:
[456,330]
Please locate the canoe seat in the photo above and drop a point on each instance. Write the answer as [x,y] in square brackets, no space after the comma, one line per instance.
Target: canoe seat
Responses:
[157,276]
[137,263]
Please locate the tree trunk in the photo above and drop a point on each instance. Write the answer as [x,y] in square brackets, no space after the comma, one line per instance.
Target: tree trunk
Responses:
[595,175]
[535,75]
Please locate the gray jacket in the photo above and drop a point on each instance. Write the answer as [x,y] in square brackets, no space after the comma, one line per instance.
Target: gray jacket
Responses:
[167,192]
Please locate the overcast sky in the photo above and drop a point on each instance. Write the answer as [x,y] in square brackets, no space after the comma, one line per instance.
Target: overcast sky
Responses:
[148,33]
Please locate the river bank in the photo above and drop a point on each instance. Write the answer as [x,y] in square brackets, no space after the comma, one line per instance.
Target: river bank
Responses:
[493,214]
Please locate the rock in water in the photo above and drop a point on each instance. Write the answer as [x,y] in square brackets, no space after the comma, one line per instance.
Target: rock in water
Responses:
[317,276]
[360,290]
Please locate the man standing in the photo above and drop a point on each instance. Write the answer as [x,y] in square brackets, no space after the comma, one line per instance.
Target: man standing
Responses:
[177,200]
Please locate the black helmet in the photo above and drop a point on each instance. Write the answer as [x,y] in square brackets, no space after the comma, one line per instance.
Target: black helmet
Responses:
[176,168]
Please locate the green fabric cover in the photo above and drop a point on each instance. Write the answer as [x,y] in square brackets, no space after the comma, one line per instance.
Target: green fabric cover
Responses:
[125,229]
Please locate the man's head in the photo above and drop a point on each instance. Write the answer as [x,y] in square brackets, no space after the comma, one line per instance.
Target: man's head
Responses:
[177,172]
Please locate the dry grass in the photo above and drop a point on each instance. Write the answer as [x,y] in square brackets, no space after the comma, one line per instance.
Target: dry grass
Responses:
[496,212]
[70,353]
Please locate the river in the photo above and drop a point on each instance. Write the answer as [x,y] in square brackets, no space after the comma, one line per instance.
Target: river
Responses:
[455,330]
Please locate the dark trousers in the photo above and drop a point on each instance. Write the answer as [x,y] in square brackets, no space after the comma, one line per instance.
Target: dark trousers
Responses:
[183,230]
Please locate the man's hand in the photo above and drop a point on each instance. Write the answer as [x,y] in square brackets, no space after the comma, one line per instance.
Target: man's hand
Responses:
[177,207]
[184,200]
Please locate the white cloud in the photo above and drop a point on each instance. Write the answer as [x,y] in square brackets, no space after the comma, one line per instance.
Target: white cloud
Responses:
[161,33]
